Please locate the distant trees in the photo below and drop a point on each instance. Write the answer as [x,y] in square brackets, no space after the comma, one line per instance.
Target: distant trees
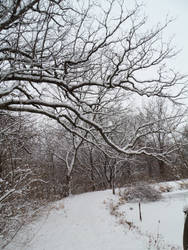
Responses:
[48,163]
[16,174]
[163,132]
[155,129]
[183,149]
[15,139]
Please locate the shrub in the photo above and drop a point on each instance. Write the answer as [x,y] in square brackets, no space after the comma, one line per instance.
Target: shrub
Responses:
[140,192]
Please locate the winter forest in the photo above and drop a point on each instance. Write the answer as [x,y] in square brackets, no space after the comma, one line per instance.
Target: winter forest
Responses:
[88,102]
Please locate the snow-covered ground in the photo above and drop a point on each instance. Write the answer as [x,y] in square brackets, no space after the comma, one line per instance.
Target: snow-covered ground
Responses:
[162,221]
[88,222]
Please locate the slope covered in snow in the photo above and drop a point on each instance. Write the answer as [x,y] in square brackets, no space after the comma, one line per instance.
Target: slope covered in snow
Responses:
[98,221]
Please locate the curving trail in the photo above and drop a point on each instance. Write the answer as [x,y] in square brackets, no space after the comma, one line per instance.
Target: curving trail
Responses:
[81,222]
[84,222]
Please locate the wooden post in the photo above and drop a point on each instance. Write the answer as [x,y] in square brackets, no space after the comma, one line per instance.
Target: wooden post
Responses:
[140,213]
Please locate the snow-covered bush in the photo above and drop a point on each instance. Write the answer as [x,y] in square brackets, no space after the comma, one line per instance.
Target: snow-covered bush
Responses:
[16,213]
[140,192]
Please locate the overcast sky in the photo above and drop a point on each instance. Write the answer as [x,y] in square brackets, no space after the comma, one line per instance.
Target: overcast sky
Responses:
[157,11]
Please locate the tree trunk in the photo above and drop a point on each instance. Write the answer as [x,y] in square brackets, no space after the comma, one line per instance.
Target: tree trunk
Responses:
[92,180]
[161,168]
[91,172]
[150,174]
[113,186]
[113,181]
[69,185]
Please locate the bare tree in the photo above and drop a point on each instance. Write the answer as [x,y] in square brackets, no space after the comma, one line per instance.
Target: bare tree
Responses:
[16,173]
[163,130]
[181,140]
[73,145]
[58,57]
[15,144]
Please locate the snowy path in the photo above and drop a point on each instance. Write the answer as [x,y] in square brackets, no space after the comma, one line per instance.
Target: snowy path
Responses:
[83,224]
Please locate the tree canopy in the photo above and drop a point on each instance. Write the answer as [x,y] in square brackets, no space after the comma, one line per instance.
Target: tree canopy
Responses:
[77,63]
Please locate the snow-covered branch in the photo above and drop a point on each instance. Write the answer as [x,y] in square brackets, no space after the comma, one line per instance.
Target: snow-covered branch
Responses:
[60,60]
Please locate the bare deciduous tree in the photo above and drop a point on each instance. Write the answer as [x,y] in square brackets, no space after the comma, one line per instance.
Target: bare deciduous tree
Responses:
[163,130]
[57,58]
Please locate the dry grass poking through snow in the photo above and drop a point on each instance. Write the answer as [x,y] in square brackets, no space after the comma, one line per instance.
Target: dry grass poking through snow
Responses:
[154,242]
[57,206]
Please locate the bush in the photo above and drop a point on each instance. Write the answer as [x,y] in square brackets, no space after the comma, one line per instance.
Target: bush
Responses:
[140,192]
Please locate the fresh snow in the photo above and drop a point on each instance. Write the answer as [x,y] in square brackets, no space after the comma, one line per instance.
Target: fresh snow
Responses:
[162,220]
[84,222]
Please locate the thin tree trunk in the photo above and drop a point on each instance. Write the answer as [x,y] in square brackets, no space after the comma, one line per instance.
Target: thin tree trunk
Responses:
[69,184]
[161,168]
[113,179]
[91,172]
[113,186]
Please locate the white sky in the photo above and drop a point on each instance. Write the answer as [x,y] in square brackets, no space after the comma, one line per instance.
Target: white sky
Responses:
[157,11]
